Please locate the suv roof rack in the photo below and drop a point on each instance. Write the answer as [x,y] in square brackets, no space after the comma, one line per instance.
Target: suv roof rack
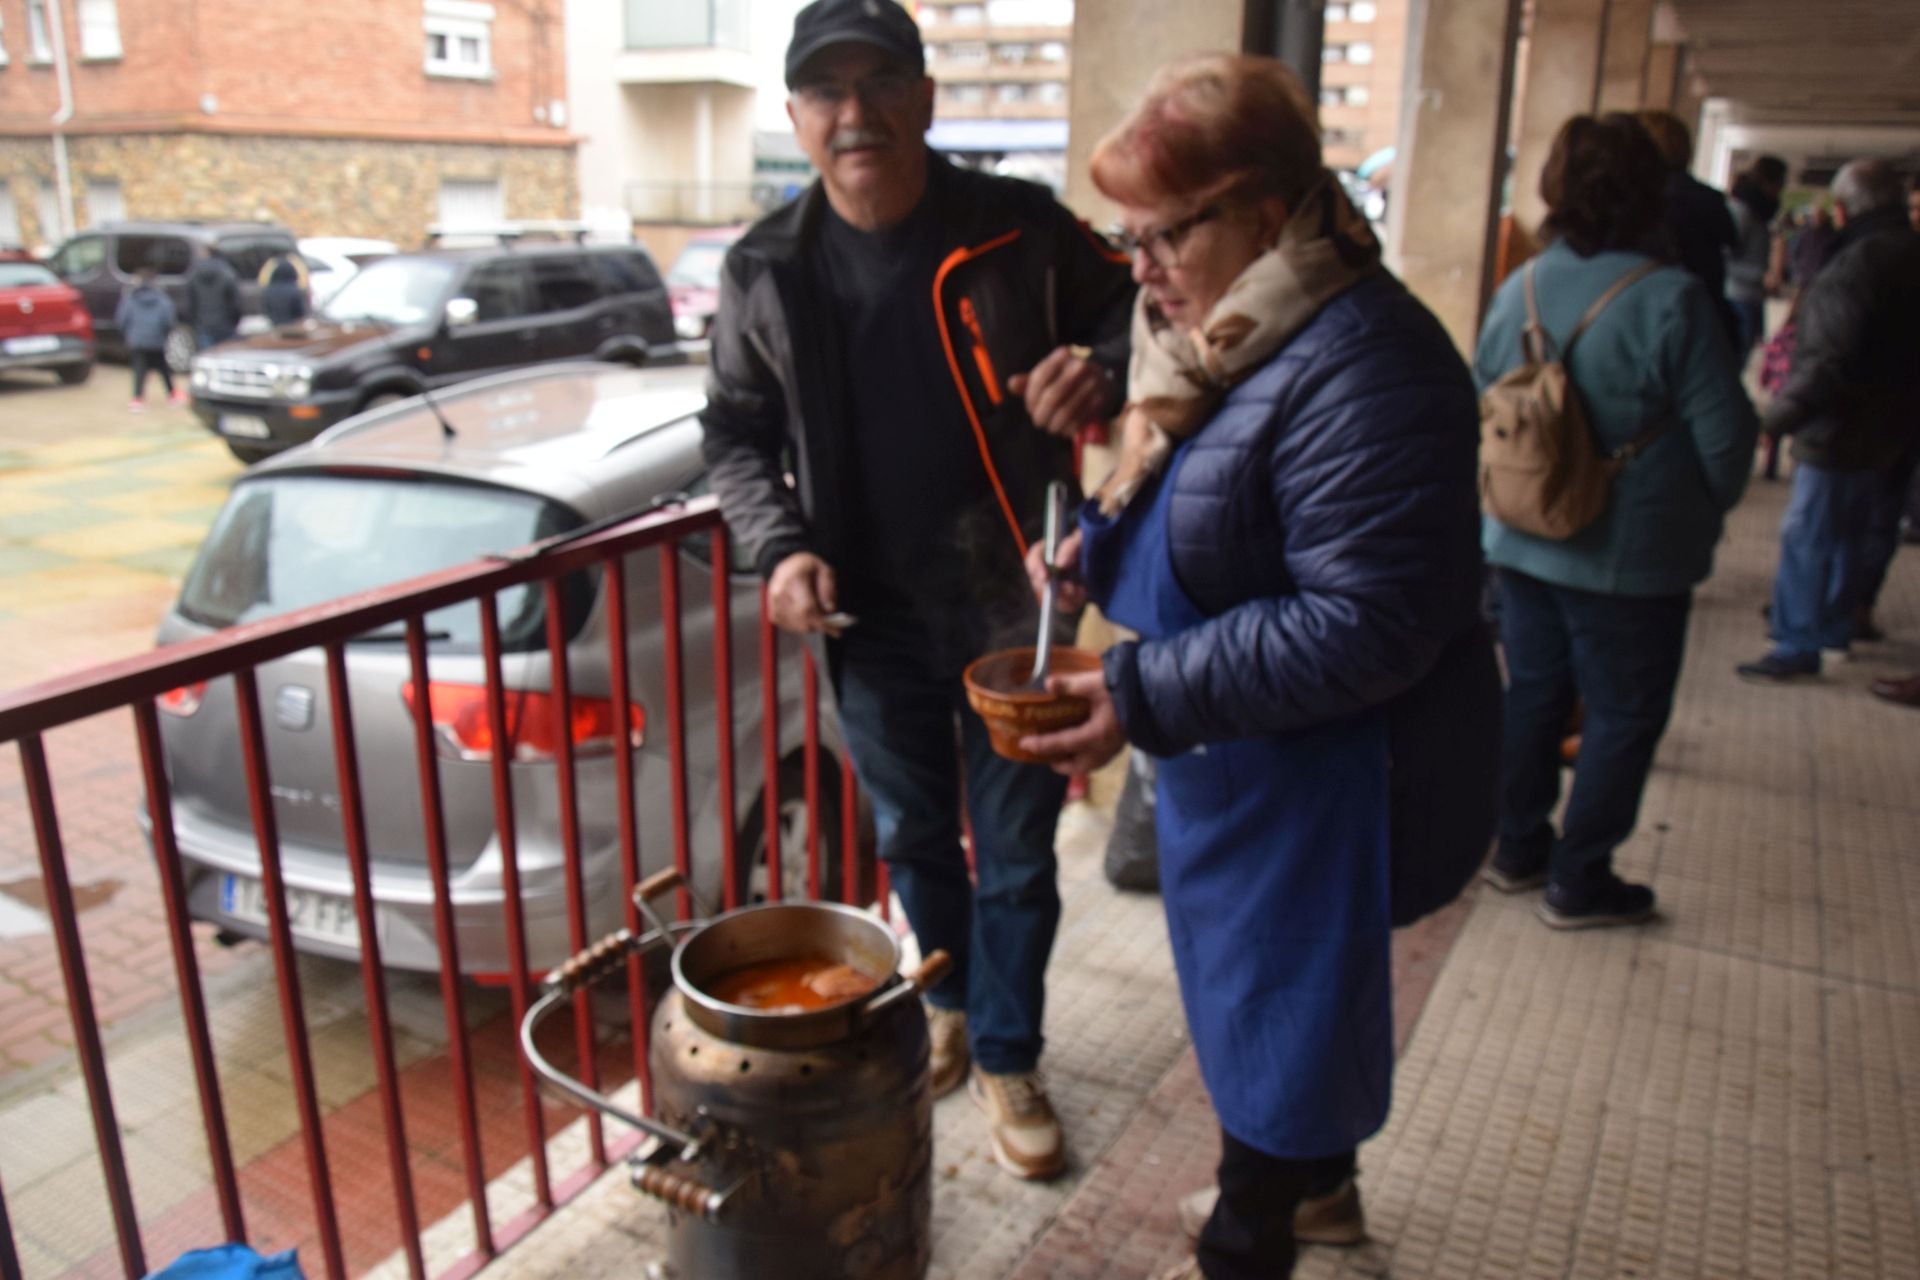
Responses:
[508,234]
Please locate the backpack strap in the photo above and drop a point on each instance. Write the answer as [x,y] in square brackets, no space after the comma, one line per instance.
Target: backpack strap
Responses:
[1614,290]
[1535,346]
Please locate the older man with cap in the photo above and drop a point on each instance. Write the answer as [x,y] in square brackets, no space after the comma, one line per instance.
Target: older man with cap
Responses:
[1848,406]
[900,359]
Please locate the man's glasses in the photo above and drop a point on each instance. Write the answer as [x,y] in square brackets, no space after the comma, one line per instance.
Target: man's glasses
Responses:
[884,90]
[1162,244]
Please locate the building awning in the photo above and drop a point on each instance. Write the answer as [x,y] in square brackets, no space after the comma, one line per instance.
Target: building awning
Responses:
[998,135]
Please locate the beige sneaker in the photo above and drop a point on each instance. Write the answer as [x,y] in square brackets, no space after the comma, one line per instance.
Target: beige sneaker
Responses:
[947,1030]
[1026,1133]
[1335,1218]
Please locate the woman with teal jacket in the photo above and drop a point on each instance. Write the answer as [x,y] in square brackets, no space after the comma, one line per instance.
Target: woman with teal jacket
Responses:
[1602,616]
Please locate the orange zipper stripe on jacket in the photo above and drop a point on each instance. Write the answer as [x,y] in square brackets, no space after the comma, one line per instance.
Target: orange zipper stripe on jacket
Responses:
[955,259]
[982,360]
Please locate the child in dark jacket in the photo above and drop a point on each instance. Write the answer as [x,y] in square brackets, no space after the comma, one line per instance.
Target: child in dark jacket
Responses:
[145,317]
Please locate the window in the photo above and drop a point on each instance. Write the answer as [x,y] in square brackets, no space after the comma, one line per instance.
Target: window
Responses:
[1011,52]
[634,273]
[562,283]
[81,257]
[966,15]
[104,201]
[1333,53]
[500,290]
[169,255]
[99,29]
[39,41]
[964,95]
[1009,93]
[468,202]
[1362,11]
[1052,92]
[3,62]
[9,218]
[1053,51]
[1030,13]
[47,205]
[1358,95]
[459,39]
[251,254]
[1336,13]
[966,54]
[1360,52]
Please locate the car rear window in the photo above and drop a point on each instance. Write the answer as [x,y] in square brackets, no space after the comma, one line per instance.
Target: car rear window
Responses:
[169,255]
[24,275]
[289,541]
[698,265]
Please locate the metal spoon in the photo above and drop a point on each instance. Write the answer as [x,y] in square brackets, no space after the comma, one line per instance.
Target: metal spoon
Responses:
[1043,646]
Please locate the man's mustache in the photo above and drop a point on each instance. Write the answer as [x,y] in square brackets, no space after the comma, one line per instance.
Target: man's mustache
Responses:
[848,139]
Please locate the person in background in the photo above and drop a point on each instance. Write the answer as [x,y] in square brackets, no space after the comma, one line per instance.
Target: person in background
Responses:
[1603,614]
[1753,204]
[145,317]
[213,300]
[284,300]
[915,344]
[1312,671]
[1849,408]
[1697,227]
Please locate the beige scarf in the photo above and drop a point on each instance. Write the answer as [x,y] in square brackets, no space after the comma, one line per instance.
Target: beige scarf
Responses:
[1178,377]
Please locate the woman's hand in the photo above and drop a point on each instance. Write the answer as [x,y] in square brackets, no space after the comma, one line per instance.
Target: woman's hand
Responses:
[1066,391]
[1087,745]
[1072,593]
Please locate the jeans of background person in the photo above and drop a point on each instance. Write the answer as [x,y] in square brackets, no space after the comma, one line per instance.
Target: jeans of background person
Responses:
[145,362]
[1892,493]
[1621,656]
[1752,316]
[204,337]
[899,719]
[1250,1235]
[1824,544]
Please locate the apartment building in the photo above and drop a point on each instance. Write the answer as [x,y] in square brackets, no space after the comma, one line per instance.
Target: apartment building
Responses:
[1362,60]
[360,117]
[1002,67]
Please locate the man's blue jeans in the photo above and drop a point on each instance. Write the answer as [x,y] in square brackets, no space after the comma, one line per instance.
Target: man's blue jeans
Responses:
[1621,656]
[909,730]
[1824,541]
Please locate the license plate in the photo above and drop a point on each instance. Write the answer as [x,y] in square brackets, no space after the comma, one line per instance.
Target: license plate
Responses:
[320,916]
[32,346]
[243,424]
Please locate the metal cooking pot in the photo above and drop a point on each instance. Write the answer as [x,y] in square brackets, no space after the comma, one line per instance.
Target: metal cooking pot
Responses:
[791,1145]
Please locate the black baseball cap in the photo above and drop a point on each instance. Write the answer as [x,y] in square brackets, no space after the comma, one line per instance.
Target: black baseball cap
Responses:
[880,23]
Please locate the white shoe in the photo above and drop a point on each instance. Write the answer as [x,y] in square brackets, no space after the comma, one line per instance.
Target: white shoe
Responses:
[950,1057]
[1026,1133]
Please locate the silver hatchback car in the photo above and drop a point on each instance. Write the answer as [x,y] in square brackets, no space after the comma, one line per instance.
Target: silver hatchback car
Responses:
[388,496]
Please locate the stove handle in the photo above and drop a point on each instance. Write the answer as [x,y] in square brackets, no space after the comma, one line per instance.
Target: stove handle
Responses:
[680,1193]
[931,971]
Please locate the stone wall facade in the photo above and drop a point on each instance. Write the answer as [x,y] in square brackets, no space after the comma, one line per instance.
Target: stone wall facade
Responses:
[314,186]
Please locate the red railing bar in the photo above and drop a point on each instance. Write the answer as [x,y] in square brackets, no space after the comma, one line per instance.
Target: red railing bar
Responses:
[503,819]
[676,720]
[723,715]
[186,970]
[562,693]
[850,835]
[770,743]
[86,1031]
[353,825]
[76,695]
[452,997]
[623,766]
[810,714]
[521,1224]
[253,747]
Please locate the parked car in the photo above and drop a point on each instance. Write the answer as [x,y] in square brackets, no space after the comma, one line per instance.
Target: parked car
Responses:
[384,497]
[419,321]
[694,282]
[332,260]
[43,323]
[102,263]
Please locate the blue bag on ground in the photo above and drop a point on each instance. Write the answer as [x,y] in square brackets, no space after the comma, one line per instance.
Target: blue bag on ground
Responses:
[230,1262]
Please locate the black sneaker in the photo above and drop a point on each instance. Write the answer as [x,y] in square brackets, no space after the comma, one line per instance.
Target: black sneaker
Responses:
[1513,879]
[1615,903]
[1778,668]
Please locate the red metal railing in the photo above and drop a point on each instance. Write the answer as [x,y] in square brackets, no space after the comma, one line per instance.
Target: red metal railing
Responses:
[28,715]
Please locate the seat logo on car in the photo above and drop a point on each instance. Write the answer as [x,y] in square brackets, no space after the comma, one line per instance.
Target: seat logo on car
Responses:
[293,707]
[26,306]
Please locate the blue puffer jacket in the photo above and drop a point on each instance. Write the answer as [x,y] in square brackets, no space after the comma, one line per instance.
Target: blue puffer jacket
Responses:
[1327,522]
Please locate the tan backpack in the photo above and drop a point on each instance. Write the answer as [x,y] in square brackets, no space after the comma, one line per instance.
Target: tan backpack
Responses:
[1541,471]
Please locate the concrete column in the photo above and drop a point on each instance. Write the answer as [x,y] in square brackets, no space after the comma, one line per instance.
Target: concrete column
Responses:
[1623,62]
[1452,155]
[1663,76]
[1562,80]
[1117,46]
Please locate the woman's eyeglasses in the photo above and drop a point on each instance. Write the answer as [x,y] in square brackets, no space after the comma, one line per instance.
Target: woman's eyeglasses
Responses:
[884,90]
[1162,243]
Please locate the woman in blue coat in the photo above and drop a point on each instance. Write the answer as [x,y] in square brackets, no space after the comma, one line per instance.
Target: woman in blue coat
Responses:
[1294,539]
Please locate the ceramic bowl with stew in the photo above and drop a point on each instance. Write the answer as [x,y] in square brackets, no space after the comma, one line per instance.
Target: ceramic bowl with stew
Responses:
[997,690]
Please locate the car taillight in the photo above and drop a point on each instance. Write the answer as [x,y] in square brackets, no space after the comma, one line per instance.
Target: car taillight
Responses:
[185,700]
[464,731]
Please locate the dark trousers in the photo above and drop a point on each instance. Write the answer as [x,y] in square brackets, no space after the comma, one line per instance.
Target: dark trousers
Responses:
[1824,540]
[145,361]
[1250,1235]
[910,732]
[1621,656]
[1891,495]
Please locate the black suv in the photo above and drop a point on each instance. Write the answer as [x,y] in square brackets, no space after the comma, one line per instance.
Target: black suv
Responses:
[416,321]
[102,263]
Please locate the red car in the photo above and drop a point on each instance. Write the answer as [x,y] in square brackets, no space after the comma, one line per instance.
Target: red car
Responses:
[693,286]
[43,324]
